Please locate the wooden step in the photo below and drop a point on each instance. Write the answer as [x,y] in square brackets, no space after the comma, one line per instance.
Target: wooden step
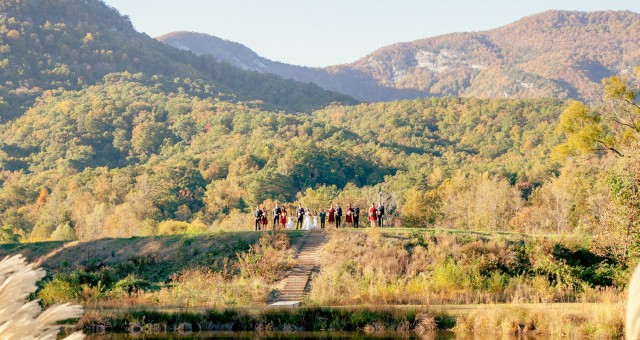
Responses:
[306,260]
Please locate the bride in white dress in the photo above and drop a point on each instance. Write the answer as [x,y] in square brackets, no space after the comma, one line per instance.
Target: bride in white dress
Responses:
[307,224]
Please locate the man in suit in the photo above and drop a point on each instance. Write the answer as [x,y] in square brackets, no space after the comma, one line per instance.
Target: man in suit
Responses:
[276,216]
[338,215]
[356,216]
[380,213]
[258,215]
[300,215]
[323,216]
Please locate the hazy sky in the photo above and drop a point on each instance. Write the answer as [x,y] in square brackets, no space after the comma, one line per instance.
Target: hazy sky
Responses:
[328,32]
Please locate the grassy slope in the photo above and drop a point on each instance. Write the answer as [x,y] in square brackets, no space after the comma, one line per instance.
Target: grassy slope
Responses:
[426,267]
[155,257]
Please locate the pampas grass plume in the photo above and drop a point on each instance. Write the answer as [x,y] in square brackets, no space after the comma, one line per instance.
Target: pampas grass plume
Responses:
[26,320]
[632,322]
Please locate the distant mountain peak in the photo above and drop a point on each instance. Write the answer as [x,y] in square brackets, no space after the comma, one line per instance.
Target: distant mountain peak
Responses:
[563,54]
[223,50]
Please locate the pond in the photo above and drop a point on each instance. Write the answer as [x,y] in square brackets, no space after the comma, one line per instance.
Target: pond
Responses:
[441,335]
[270,335]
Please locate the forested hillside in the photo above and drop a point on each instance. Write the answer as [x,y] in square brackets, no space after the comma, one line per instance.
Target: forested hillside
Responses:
[560,54]
[68,44]
[124,153]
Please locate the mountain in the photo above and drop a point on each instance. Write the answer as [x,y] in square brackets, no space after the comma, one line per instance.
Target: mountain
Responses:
[563,54]
[69,44]
[355,84]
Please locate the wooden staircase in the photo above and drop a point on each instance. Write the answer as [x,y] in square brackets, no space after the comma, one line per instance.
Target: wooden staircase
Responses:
[296,282]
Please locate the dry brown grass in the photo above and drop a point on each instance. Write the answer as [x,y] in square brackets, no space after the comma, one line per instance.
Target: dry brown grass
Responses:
[380,267]
[268,259]
[584,320]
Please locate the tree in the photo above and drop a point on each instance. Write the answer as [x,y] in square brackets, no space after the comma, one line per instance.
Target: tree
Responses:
[147,138]
[267,184]
[619,233]
[318,198]
[420,208]
[557,198]
[221,197]
[495,203]
[42,196]
[178,185]
[614,127]
[583,131]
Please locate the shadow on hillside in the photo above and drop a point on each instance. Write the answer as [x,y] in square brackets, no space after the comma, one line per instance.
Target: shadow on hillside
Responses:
[31,251]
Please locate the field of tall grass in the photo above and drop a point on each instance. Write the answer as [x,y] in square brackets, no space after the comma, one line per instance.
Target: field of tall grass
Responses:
[231,269]
[417,267]
[603,321]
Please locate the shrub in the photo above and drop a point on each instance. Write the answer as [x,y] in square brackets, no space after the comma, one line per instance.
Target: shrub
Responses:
[172,227]
[199,287]
[235,221]
[130,285]
[64,232]
[268,259]
[197,227]
[59,289]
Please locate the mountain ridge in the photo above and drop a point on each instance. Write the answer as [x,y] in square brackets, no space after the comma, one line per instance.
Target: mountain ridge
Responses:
[562,54]
[69,44]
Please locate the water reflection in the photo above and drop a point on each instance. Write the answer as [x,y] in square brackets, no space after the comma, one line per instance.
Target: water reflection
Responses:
[273,335]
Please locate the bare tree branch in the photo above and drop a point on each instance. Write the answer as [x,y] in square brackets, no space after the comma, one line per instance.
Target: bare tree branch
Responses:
[607,148]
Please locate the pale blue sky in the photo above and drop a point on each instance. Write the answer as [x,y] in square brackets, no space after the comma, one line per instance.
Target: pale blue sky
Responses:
[329,32]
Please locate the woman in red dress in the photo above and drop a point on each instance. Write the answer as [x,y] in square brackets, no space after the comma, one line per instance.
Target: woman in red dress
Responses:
[372,214]
[264,219]
[283,218]
[332,214]
[348,218]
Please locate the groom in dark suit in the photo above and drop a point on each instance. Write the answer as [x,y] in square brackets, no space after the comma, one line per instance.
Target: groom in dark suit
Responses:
[276,216]
[356,216]
[338,215]
[300,215]
[258,216]
[380,213]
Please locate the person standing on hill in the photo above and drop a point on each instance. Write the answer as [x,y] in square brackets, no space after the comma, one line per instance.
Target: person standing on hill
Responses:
[356,216]
[300,216]
[283,218]
[323,215]
[332,214]
[276,216]
[380,213]
[348,216]
[265,220]
[373,214]
[258,216]
[338,215]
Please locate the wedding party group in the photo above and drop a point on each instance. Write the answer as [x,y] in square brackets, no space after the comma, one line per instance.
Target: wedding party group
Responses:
[306,219]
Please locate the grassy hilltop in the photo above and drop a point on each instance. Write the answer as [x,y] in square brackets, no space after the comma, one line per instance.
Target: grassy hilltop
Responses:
[433,273]
[372,266]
